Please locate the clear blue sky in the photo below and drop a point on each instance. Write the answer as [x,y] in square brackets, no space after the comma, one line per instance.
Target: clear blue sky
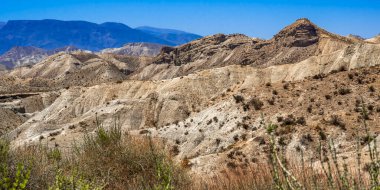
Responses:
[260,18]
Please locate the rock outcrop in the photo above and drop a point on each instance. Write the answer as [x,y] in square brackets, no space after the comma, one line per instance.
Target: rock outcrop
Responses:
[136,49]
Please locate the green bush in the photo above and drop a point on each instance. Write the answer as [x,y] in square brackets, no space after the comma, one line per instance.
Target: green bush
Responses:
[12,177]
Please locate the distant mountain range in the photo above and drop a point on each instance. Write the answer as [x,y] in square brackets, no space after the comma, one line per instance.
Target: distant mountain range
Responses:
[28,55]
[173,36]
[52,34]
[2,24]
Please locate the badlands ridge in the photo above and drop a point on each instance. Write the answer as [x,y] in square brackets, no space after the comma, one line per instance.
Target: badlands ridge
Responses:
[209,100]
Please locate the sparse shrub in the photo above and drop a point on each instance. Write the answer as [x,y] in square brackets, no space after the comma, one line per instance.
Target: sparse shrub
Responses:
[282,141]
[83,124]
[217,141]
[231,165]
[245,126]
[274,92]
[236,138]
[371,89]
[319,76]
[350,76]
[328,97]
[337,121]
[175,150]
[238,98]
[310,108]
[286,86]
[301,120]
[260,140]
[271,101]
[256,103]
[360,81]
[322,135]
[230,155]
[366,139]
[342,68]
[306,139]
[246,107]
[289,120]
[244,137]
[370,108]
[344,91]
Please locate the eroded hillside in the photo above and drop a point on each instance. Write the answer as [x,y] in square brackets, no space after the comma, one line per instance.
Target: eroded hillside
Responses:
[210,99]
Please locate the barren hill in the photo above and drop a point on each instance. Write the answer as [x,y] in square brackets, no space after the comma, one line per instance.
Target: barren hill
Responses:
[293,44]
[136,49]
[209,99]
[375,39]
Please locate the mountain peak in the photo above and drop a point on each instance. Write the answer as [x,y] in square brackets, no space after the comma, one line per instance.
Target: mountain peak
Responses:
[303,20]
[301,33]
[300,25]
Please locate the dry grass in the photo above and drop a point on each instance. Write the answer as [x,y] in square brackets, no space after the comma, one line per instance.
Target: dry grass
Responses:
[262,177]
[111,160]
[106,160]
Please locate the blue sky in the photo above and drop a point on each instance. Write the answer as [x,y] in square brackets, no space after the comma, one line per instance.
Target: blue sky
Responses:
[258,18]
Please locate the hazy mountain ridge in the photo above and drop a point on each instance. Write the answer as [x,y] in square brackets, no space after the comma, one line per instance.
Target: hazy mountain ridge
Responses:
[29,55]
[2,24]
[51,34]
[175,36]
